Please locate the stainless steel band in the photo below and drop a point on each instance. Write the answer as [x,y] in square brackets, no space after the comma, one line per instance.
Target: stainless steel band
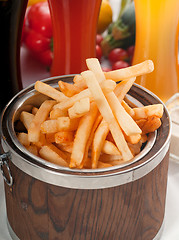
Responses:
[87,181]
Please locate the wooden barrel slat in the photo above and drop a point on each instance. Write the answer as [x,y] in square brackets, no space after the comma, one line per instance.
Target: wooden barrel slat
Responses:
[38,210]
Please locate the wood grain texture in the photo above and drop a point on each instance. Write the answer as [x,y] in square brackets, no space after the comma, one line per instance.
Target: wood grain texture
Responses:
[37,210]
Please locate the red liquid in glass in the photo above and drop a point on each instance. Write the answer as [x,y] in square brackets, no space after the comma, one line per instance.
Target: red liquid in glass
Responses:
[74,34]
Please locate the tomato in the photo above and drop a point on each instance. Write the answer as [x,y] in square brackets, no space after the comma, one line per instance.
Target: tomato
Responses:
[36,42]
[106,69]
[118,54]
[37,32]
[120,64]
[39,19]
[130,51]
[45,57]
[99,39]
[98,52]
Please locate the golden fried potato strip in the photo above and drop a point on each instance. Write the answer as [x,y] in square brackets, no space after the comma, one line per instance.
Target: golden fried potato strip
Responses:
[82,136]
[107,114]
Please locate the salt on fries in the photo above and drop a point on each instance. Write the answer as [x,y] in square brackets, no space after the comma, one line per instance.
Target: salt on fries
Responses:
[88,124]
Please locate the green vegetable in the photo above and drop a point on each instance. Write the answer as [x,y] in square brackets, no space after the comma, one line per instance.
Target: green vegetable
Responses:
[124,4]
[121,33]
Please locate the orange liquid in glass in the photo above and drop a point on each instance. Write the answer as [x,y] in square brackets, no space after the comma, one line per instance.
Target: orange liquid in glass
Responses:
[74,34]
[157,39]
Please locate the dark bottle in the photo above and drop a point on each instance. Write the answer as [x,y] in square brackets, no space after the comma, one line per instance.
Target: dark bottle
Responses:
[11,21]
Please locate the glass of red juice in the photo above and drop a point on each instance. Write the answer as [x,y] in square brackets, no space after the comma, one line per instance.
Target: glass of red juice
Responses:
[74,34]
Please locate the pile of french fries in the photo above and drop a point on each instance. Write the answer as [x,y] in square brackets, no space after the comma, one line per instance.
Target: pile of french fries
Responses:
[88,124]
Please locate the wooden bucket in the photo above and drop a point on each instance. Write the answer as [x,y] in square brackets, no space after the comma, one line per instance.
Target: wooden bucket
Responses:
[45,201]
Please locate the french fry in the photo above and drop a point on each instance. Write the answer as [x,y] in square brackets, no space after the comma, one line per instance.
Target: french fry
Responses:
[144,138]
[87,163]
[67,124]
[111,159]
[26,118]
[34,110]
[128,109]
[50,91]
[123,87]
[78,80]
[108,158]
[70,89]
[64,137]
[23,138]
[108,85]
[56,113]
[33,149]
[93,64]
[84,129]
[133,139]
[49,126]
[107,114]
[98,141]
[135,148]
[59,124]
[125,121]
[63,155]
[77,97]
[129,72]
[42,141]
[110,137]
[148,111]
[47,153]
[149,125]
[39,118]
[50,137]
[110,148]
[89,124]
[103,128]
[103,165]
[66,147]
[115,162]
[80,108]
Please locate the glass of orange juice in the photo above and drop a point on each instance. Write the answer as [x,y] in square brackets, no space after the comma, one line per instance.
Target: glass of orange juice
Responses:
[74,34]
[157,39]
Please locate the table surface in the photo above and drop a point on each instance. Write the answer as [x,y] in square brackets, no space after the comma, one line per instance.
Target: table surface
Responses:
[34,71]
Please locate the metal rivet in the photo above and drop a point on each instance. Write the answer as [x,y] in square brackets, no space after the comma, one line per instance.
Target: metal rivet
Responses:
[4,164]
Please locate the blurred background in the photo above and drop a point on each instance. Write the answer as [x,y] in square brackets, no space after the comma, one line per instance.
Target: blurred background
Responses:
[115,31]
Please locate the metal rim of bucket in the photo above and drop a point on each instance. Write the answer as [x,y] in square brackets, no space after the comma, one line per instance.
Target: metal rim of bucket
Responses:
[74,178]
